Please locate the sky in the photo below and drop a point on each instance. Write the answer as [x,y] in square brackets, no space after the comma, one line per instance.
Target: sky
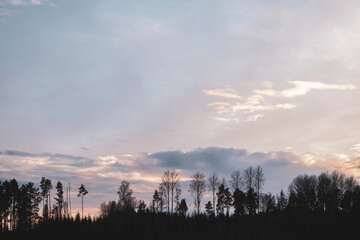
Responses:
[97,92]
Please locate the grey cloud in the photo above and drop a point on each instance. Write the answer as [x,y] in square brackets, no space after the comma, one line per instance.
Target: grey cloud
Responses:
[19,153]
[222,160]
[212,157]
[54,159]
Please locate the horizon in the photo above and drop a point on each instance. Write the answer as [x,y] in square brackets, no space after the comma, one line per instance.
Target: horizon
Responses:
[95,92]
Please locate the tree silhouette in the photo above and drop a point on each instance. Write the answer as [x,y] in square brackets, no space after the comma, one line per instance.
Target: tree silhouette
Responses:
[249,178]
[183,208]
[303,192]
[268,203]
[170,185]
[14,192]
[324,206]
[82,193]
[5,204]
[235,180]
[213,185]
[239,202]
[197,188]
[155,202]
[224,200]
[60,198]
[209,208]
[251,203]
[259,182]
[126,200]
[28,206]
[141,206]
[281,201]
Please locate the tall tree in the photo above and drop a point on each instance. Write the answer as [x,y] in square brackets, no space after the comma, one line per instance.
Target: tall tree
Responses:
[165,187]
[170,182]
[14,191]
[213,185]
[126,200]
[82,193]
[220,206]
[249,178]
[224,200]
[303,192]
[197,188]
[174,186]
[28,206]
[251,203]
[235,180]
[239,202]
[60,198]
[155,202]
[43,194]
[5,204]
[162,197]
[228,201]
[281,201]
[48,187]
[259,182]
[177,199]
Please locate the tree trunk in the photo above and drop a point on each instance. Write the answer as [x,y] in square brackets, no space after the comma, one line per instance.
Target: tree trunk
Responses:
[82,207]
[214,202]
[172,201]
[49,203]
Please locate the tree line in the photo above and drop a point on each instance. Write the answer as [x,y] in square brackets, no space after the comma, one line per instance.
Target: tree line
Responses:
[242,194]
[238,206]
[20,205]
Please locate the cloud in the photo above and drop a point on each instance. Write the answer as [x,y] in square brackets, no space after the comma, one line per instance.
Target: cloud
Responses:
[356,149]
[224,93]
[254,118]
[7,6]
[22,2]
[222,160]
[56,158]
[302,88]
[257,102]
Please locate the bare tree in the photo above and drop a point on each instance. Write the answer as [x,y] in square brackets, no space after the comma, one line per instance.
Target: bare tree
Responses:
[213,185]
[235,180]
[170,183]
[259,182]
[174,186]
[126,200]
[165,187]
[197,188]
[249,178]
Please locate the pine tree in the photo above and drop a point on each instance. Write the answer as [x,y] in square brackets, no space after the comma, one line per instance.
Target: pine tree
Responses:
[60,198]
[82,193]
[183,208]
[220,206]
[209,208]
[251,203]
[239,202]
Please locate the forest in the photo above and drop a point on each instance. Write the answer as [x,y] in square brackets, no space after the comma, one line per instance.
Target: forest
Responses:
[326,206]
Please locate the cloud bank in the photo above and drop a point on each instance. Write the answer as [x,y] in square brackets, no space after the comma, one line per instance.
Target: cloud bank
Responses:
[243,110]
